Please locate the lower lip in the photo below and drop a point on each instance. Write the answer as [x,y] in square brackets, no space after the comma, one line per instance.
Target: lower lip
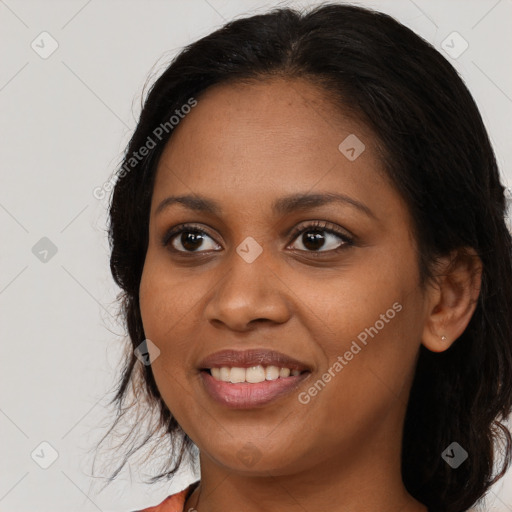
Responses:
[244,395]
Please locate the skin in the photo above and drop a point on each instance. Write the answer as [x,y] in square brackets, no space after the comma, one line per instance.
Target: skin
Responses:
[245,146]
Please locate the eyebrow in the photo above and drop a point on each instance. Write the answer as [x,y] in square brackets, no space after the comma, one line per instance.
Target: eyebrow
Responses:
[283,205]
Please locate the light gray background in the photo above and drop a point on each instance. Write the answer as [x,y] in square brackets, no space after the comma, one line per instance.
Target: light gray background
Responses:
[64,123]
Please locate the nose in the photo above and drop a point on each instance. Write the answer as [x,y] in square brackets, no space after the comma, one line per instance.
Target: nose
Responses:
[248,293]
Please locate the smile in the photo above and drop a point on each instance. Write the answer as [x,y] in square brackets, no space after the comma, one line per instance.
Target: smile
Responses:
[244,394]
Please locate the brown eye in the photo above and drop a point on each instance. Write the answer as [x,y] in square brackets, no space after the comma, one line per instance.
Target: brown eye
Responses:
[318,238]
[187,239]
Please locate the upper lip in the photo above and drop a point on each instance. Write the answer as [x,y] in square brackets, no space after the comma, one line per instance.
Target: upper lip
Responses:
[253,357]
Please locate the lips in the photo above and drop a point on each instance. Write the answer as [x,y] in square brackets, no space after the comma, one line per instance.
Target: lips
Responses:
[249,396]
[252,357]
[236,394]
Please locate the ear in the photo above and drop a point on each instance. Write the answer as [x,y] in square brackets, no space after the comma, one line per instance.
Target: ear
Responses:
[451,298]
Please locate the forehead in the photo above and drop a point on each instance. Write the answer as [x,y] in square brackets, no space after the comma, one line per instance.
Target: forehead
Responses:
[267,138]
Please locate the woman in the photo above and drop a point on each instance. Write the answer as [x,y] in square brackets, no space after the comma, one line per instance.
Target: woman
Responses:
[308,229]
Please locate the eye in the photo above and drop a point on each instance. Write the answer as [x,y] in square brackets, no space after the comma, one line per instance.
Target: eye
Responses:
[316,237]
[320,236]
[191,239]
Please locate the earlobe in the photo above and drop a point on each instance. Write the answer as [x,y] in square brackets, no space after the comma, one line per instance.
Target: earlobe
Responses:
[451,298]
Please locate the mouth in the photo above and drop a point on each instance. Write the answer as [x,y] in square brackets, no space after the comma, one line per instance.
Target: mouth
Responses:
[250,395]
[251,378]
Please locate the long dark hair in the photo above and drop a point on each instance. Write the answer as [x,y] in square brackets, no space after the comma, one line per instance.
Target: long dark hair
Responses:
[437,154]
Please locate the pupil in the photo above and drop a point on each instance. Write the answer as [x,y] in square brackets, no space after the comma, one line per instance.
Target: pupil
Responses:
[191,241]
[315,239]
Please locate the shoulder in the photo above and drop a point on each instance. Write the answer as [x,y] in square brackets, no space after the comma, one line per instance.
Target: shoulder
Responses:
[174,502]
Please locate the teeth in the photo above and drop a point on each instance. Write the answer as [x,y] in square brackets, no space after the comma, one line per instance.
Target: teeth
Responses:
[237,375]
[272,372]
[253,374]
[284,372]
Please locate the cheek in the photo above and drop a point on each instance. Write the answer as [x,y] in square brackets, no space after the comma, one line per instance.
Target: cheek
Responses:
[167,299]
[372,319]
[167,310]
[167,316]
[355,300]
[171,305]
[369,358]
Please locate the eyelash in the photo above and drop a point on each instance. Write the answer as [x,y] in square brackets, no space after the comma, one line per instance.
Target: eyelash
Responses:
[321,226]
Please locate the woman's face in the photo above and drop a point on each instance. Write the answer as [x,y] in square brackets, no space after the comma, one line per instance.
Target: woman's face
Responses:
[342,298]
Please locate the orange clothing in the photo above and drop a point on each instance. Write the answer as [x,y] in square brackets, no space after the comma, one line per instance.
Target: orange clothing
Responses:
[174,502]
